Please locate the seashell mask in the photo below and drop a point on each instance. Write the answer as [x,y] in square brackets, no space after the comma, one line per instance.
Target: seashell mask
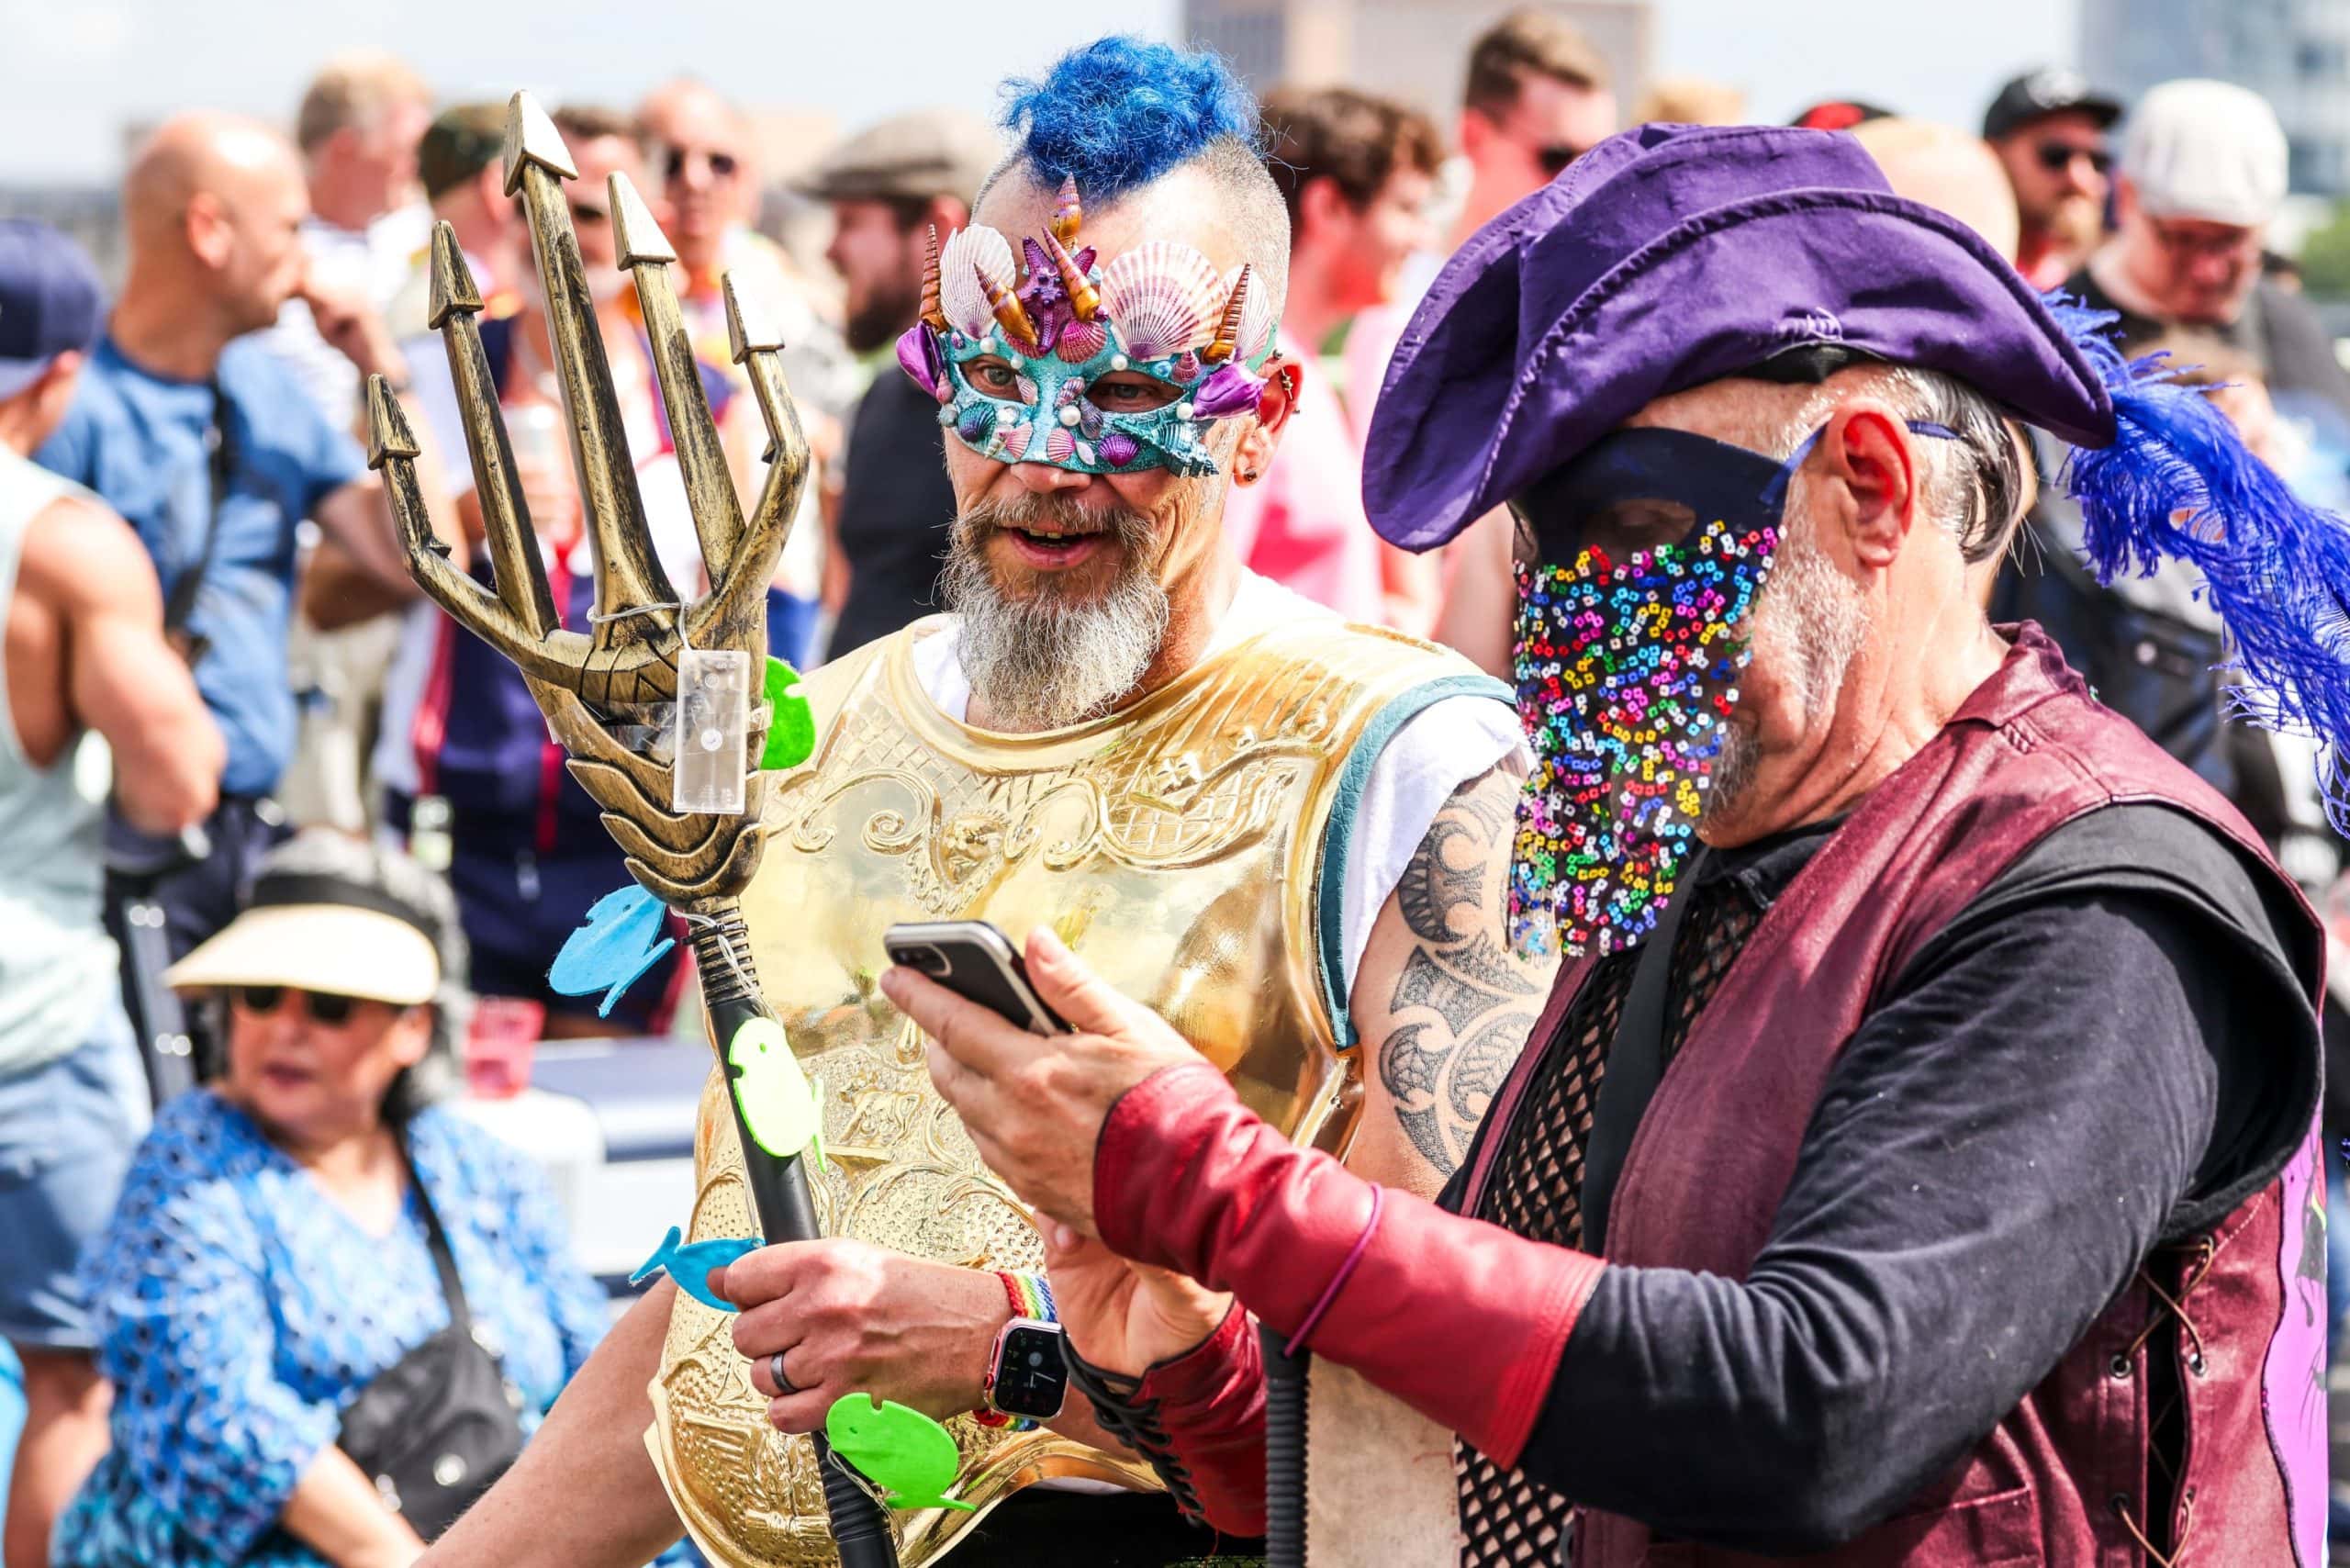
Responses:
[1013,346]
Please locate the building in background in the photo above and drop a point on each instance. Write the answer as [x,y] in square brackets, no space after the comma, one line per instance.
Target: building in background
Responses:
[1413,49]
[2294,53]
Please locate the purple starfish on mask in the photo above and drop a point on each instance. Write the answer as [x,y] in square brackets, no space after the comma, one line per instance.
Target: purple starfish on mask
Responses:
[1044,296]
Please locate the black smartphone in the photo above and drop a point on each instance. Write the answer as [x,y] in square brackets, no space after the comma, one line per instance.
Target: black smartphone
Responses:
[976,961]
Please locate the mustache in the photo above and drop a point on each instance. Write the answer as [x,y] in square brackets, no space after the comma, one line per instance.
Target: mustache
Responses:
[1050,514]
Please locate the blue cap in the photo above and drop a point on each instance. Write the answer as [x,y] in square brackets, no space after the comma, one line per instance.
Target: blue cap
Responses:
[50,300]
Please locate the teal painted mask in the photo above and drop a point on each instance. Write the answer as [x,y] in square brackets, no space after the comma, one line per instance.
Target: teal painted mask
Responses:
[1017,357]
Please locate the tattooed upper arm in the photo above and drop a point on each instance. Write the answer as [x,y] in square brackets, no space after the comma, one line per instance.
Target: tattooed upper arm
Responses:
[1442,1004]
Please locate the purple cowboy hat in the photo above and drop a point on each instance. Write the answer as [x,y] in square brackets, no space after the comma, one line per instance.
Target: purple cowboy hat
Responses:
[1670,256]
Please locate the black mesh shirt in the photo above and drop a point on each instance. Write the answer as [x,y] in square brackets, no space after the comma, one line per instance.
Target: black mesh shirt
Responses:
[1535,1190]
[2122,1013]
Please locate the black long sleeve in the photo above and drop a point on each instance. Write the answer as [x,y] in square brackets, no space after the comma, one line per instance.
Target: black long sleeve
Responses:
[2089,1061]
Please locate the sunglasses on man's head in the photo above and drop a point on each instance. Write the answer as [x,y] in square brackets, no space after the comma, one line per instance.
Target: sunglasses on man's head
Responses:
[1555,158]
[331,1008]
[2057,156]
[721,164]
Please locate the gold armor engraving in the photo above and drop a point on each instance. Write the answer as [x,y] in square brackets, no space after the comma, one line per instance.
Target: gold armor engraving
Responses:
[1177,844]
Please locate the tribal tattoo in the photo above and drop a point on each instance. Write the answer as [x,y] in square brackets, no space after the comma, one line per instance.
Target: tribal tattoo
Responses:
[1463,1001]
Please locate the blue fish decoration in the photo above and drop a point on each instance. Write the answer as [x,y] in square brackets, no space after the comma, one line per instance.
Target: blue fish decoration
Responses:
[690,1266]
[613,948]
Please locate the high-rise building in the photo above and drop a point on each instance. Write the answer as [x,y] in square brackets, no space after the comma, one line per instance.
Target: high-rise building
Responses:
[2294,53]
[1417,51]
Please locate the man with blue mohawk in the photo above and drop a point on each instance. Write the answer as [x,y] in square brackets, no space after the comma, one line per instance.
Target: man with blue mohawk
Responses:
[1287,834]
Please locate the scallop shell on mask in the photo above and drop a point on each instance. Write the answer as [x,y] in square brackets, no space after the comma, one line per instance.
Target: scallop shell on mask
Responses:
[1059,445]
[1080,341]
[1014,441]
[1161,299]
[968,252]
[1255,314]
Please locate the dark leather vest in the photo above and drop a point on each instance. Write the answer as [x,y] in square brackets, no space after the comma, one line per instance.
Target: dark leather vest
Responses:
[2053,1483]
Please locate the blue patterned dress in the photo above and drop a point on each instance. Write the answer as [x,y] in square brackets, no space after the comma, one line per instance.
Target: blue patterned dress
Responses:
[239,1308]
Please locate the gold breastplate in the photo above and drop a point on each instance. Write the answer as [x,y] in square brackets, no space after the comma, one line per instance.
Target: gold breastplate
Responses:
[1178,845]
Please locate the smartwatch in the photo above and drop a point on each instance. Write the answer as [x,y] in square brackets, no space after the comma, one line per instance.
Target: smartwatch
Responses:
[1029,1374]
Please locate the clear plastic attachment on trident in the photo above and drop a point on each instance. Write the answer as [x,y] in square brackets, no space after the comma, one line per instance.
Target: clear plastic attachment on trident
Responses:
[713,730]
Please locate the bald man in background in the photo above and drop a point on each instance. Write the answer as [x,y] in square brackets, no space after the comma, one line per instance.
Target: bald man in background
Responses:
[211,451]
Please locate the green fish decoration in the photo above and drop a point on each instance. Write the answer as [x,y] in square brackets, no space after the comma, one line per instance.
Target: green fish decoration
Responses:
[792,734]
[911,1456]
[779,1105]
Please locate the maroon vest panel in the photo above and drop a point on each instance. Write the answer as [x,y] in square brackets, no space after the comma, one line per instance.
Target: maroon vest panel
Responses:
[2061,1480]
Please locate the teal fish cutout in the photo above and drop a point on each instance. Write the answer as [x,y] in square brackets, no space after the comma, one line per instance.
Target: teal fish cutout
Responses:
[690,1265]
[779,1106]
[911,1456]
[613,948]
[791,732]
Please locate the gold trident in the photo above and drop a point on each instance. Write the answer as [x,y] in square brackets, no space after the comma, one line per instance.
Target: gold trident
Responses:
[587,682]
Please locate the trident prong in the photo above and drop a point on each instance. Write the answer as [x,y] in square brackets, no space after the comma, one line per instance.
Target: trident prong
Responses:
[740,589]
[520,575]
[587,683]
[646,254]
[628,574]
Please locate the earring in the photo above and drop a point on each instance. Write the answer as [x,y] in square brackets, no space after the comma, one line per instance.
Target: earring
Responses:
[1248,476]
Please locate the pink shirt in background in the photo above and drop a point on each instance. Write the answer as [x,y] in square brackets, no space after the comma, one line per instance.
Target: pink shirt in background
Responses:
[1303,524]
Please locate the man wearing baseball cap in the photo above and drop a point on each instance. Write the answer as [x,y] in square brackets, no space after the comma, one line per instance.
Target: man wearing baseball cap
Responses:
[84,651]
[2049,128]
[1916,1161]
[892,188]
[2203,171]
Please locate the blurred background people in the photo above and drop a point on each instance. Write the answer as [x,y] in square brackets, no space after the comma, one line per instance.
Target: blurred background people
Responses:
[889,187]
[1358,173]
[2049,128]
[1948,170]
[460,164]
[207,444]
[1537,97]
[85,655]
[527,852]
[1688,100]
[707,200]
[283,1233]
[357,130]
[2203,173]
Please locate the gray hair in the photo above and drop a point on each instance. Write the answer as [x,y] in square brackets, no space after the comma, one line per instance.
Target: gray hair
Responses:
[1975,488]
[1252,204]
[323,852]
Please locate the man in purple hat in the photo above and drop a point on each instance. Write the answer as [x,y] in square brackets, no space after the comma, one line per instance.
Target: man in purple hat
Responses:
[1916,1161]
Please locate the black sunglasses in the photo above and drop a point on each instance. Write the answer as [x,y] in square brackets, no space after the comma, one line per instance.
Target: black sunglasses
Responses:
[331,1008]
[721,164]
[1555,158]
[2057,156]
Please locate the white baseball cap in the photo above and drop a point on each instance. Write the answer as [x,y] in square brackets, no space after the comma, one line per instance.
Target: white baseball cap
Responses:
[2205,149]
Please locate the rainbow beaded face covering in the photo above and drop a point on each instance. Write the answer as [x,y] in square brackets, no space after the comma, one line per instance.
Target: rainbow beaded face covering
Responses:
[1650,548]
[1096,369]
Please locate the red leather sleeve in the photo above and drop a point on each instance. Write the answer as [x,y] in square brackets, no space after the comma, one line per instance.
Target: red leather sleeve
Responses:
[1458,1318]
[1212,1406]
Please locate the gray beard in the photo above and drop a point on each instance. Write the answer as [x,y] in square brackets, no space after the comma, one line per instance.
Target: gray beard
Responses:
[1046,661]
[1811,620]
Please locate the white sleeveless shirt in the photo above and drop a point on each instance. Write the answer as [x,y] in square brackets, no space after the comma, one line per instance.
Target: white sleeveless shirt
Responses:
[58,972]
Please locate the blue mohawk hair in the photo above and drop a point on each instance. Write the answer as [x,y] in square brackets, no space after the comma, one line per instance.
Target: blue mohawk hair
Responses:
[1121,111]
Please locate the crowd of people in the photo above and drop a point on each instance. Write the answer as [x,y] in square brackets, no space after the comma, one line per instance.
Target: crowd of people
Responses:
[276,823]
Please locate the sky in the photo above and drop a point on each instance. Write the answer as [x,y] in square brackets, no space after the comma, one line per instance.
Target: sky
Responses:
[74,71]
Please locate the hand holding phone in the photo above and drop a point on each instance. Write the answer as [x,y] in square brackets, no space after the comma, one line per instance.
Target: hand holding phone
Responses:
[976,962]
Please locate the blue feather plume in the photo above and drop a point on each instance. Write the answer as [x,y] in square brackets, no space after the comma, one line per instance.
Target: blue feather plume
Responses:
[2178,481]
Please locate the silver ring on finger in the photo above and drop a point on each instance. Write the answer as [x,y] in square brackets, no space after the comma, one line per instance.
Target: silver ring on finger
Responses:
[784,1387]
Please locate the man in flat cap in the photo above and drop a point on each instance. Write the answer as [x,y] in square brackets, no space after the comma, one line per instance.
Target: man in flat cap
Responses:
[890,189]
[1915,1163]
